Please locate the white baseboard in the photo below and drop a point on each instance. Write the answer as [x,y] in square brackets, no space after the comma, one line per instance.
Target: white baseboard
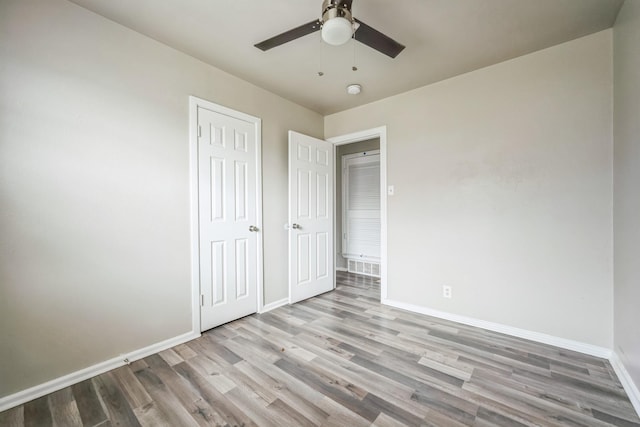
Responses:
[627,382]
[40,390]
[578,346]
[274,305]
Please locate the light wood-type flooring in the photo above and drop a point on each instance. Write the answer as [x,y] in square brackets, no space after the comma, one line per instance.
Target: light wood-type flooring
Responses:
[343,359]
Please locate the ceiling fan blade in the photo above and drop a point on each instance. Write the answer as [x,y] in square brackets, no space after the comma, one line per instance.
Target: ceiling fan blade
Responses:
[376,40]
[287,36]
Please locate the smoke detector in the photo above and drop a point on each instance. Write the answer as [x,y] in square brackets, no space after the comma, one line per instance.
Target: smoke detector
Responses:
[354,89]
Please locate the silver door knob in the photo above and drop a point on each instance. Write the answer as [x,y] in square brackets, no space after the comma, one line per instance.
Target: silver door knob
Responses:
[253,228]
[296,226]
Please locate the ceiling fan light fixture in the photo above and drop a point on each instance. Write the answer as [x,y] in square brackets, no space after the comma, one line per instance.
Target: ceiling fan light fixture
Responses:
[337,31]
[338,27]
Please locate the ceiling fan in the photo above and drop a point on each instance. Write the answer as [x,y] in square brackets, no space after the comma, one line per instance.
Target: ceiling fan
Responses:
[338,26]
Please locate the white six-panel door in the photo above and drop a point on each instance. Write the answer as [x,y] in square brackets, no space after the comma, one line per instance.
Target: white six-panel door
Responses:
[311,270]
[228,156]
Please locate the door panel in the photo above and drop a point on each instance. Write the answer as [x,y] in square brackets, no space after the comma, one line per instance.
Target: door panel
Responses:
[227,201]
[361,206]
[310,217]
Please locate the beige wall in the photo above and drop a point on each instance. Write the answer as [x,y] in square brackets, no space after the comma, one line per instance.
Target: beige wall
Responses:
[626,206]
[342,150]
[94,187]
[503,191]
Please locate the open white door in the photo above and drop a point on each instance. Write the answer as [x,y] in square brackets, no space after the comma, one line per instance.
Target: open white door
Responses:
[311,270]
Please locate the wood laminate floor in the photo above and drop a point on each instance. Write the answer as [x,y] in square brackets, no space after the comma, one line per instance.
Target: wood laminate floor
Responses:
[342,359]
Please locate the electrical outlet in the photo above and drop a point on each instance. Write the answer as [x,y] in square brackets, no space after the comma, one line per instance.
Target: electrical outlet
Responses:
[391,190]
[446,291]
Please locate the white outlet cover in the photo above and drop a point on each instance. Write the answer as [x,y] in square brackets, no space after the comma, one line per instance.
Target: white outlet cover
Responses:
[391,190]
[446,291]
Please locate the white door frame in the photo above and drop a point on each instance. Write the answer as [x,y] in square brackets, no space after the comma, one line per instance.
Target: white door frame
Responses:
[379,132]
[194,103]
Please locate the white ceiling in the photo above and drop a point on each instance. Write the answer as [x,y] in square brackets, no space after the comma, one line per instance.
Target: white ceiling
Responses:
[443,38]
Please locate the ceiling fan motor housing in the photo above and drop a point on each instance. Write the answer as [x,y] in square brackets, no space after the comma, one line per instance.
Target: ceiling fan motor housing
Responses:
[336,9]
[337,21]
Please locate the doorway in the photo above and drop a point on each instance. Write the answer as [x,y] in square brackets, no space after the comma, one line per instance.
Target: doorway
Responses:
[362,142]
[358,207]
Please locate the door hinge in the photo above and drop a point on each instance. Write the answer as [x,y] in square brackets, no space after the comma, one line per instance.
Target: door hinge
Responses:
[202,300]
[199,131]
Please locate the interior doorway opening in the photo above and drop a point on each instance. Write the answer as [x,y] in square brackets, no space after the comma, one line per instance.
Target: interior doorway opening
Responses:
[360,211]
[358,208]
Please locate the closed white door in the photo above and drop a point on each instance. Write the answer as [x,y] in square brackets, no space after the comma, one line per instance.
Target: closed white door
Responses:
[228,197]
[310,217]
[361,206]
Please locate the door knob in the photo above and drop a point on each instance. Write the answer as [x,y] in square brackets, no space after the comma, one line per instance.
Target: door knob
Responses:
[296,226]
[253,228]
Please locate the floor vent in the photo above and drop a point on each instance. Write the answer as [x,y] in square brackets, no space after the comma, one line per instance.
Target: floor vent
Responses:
[364,267]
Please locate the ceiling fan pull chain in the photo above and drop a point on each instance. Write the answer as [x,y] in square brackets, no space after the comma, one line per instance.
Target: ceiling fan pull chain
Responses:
[321,73]
[353,42]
